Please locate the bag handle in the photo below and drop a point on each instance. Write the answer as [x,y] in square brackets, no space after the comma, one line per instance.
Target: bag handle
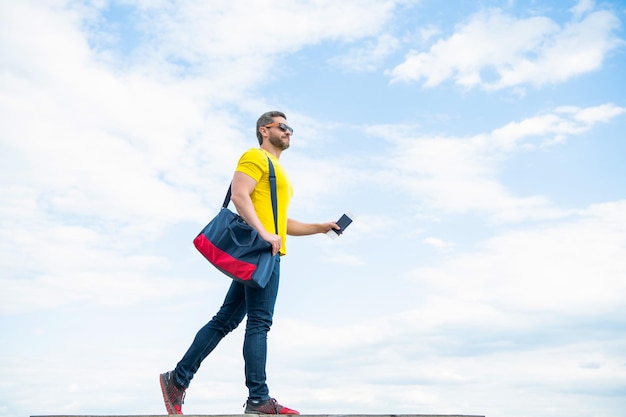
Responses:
[272,192]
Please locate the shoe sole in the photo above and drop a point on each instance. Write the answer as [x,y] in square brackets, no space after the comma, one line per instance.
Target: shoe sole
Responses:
[168,405]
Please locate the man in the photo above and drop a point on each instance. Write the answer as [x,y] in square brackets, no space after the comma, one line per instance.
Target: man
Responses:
[251,197]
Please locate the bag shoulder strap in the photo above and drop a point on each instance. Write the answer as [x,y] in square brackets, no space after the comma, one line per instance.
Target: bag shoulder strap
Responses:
[274,196]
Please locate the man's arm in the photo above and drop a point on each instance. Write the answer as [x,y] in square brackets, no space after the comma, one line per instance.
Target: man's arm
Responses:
[296,228]
[242,187]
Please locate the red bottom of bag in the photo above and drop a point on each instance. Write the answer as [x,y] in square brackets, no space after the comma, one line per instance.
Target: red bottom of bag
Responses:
[223,261]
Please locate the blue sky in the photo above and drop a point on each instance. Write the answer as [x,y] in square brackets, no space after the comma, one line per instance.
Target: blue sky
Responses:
[479,144]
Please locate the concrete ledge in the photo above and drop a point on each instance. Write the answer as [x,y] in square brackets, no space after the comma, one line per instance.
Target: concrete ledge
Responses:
[256,415]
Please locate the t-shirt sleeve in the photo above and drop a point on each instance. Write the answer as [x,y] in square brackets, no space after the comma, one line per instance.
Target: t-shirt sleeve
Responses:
[251,163]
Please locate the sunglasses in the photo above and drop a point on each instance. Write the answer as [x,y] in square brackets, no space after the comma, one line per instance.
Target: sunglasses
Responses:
[281,126]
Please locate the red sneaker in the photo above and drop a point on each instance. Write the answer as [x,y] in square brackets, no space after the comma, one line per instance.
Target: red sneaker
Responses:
[270,406]
[172,395]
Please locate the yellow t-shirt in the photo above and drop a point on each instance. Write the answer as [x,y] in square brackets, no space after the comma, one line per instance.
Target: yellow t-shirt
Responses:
[254,164]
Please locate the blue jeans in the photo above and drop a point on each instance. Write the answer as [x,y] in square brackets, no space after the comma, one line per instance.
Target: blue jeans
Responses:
[258,304]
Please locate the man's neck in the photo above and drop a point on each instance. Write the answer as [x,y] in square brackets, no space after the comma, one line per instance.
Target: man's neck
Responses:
[268,147]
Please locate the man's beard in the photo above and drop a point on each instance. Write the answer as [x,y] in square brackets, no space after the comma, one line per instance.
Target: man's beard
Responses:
[279,143]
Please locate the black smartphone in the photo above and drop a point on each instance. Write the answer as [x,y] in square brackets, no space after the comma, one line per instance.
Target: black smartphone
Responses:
[343,222]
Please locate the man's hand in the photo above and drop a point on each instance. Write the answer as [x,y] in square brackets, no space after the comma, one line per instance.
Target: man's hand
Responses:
[327,226]
[274,240]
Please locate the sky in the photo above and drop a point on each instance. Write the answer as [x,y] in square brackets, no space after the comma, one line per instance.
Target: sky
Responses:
[479,146]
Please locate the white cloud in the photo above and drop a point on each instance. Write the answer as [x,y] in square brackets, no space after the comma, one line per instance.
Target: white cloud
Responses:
[241,39]
[368,57]
[548,129]
[428,32]
[49,262]
[461,175]
[103,143]
[437,243]
[546,269]
[582,8]
[494,50]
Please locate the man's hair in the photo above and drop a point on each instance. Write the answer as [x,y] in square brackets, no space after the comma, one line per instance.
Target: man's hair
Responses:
[265,119]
